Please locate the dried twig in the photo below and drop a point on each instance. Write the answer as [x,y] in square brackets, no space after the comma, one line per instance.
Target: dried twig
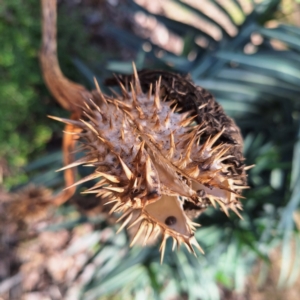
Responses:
[68,94]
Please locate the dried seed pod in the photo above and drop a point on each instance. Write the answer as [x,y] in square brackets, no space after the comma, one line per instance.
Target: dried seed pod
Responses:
[162,148]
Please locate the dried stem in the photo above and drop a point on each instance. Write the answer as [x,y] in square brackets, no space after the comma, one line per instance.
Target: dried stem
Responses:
[68,94]
[68,158]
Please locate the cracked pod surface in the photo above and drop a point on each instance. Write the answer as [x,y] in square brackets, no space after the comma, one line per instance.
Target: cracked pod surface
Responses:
[163,150]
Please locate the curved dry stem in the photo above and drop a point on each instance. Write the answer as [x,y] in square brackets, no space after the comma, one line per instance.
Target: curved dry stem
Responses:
[69,94]
[68,158]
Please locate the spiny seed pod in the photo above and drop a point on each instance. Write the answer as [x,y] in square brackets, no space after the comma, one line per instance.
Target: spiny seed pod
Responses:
[162,149]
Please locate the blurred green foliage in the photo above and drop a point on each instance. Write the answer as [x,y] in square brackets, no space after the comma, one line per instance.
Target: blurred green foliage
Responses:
[24,100]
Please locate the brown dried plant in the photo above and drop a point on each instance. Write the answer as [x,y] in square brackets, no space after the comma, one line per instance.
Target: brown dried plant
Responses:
[163,150]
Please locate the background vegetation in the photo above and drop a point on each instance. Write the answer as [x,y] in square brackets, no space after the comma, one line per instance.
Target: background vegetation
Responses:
[253,72]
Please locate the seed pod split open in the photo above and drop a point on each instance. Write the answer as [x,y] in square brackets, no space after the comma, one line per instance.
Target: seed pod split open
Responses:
[153,153]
